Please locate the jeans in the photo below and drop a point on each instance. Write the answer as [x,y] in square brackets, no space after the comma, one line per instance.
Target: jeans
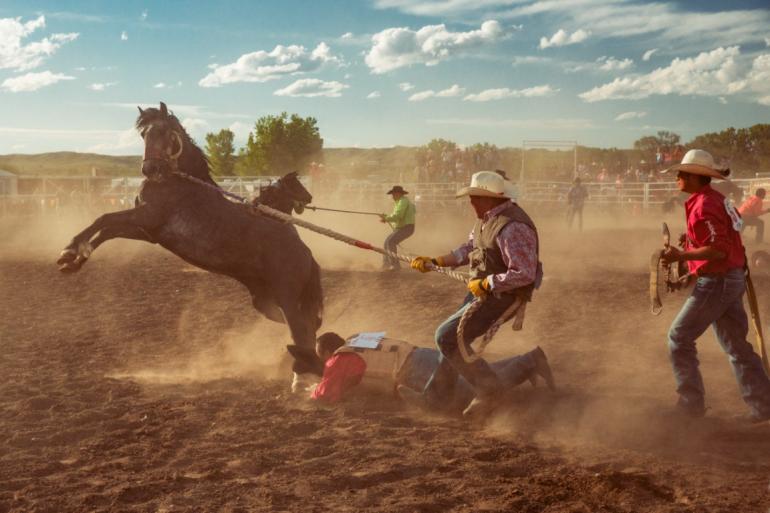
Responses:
[451,365]
[391,244]
[759,227]
[423,362]
[717,301]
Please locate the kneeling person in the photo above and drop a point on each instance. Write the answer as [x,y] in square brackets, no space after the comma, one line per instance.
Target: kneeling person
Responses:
[395,362]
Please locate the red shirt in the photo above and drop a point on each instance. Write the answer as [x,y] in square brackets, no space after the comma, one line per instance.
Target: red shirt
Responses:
[752,207]
[708,224]
[342,372]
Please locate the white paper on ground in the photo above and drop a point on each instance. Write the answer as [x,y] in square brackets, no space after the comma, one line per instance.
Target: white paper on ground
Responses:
[368,340]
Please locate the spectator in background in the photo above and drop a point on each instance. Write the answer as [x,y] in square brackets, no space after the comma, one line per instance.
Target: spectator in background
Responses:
[576,198]
[750,211]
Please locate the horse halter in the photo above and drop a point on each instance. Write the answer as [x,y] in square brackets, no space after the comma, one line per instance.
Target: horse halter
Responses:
[166,157]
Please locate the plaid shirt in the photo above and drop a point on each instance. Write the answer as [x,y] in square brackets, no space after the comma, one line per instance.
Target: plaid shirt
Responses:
[518,244]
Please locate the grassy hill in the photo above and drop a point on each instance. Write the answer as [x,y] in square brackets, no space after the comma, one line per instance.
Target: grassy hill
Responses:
[67,163]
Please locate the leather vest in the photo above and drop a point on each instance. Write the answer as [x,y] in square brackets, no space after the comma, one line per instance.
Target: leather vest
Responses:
[382,363]
[486,257]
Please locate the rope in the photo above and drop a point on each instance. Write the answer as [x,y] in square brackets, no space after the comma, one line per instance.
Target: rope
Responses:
[472,308]
[277,214]
[461,277]
[343,211]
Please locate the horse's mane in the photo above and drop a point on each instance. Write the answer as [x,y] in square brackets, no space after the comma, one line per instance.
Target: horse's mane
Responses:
[193,160]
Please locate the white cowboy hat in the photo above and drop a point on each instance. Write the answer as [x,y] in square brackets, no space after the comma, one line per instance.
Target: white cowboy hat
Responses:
[697,162]
[490,184]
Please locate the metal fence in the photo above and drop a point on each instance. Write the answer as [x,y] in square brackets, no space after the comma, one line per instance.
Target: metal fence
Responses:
[52,194]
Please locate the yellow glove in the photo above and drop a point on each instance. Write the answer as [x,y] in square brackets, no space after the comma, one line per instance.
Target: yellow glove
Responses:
[423,263]
[479,287]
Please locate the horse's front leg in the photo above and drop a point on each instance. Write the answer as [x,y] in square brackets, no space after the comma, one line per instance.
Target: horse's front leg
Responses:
[130,222]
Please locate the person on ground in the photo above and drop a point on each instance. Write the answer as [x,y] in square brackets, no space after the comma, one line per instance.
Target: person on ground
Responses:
[715,255]
[576,197]
[502,251]
[402,221]
[750,211]
[349,369]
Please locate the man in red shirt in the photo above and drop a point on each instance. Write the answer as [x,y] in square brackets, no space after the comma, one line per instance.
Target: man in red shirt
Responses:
[342,371]
[394,362]
[715,255]
[750,212]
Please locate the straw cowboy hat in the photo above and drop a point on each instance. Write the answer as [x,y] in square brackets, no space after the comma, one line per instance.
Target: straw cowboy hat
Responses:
[697,162]
[490,184]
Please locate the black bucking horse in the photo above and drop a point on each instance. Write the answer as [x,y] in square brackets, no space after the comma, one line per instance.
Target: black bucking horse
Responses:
[197,223]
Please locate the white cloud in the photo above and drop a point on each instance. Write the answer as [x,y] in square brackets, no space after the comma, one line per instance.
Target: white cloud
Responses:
[563,38]
[117,141]
[666,22]
[648,54]
[450,92]
[394,48]
[160,85]
[630,115]
[613,64]
[758,78]
[373,95]
[262,66]
[33,81]
[124,36]
[14,54]
[405,86]
[502,93]
[767,41]
[143,16]
[196,127]
[347,35]
[312,88]
[529,59]
[713,73]
[100,86]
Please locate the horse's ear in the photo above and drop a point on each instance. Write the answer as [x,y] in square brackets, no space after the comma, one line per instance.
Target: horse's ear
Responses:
[163,109]
[140,110]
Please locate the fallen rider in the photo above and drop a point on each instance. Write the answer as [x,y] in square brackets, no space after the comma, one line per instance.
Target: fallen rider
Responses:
[379,365]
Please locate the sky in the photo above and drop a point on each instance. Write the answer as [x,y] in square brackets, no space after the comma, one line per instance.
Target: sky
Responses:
[380,73]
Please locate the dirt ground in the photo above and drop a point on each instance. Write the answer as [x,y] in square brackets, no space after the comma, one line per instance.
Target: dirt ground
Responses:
[142,384]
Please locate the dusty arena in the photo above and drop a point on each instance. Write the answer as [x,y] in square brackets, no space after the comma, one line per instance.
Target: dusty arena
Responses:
[143,384]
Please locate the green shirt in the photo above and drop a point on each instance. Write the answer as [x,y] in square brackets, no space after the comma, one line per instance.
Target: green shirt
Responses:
[403,213]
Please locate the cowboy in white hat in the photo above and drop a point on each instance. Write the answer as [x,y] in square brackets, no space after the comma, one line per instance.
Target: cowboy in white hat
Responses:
[502,252]
[715,255]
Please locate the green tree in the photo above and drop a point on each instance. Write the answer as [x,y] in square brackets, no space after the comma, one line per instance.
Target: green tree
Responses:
[280,144]
[219,150]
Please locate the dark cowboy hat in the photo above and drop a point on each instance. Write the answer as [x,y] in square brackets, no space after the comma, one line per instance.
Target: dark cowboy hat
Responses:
[397,188]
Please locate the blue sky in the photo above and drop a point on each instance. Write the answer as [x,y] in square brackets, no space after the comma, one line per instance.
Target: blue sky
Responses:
[377,73]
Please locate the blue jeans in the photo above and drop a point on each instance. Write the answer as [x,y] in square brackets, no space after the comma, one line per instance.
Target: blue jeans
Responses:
[393,240]
[423,362]
[717,301]
[451,365]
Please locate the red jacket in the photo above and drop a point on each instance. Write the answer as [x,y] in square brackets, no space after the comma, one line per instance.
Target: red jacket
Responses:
[342,372]
[708,224]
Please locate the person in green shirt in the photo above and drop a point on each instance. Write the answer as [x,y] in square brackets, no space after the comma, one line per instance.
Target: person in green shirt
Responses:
[402,222]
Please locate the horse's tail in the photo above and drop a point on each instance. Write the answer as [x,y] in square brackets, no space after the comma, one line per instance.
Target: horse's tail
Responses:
[312,296]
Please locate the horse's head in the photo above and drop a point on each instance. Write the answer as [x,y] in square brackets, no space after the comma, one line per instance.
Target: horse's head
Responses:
[164,141]
[293,188]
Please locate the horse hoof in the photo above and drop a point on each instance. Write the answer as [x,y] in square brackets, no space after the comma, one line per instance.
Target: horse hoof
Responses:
[67,256]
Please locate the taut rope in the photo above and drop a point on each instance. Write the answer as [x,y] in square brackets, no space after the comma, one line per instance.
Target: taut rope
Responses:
[312,207]
[461,277]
